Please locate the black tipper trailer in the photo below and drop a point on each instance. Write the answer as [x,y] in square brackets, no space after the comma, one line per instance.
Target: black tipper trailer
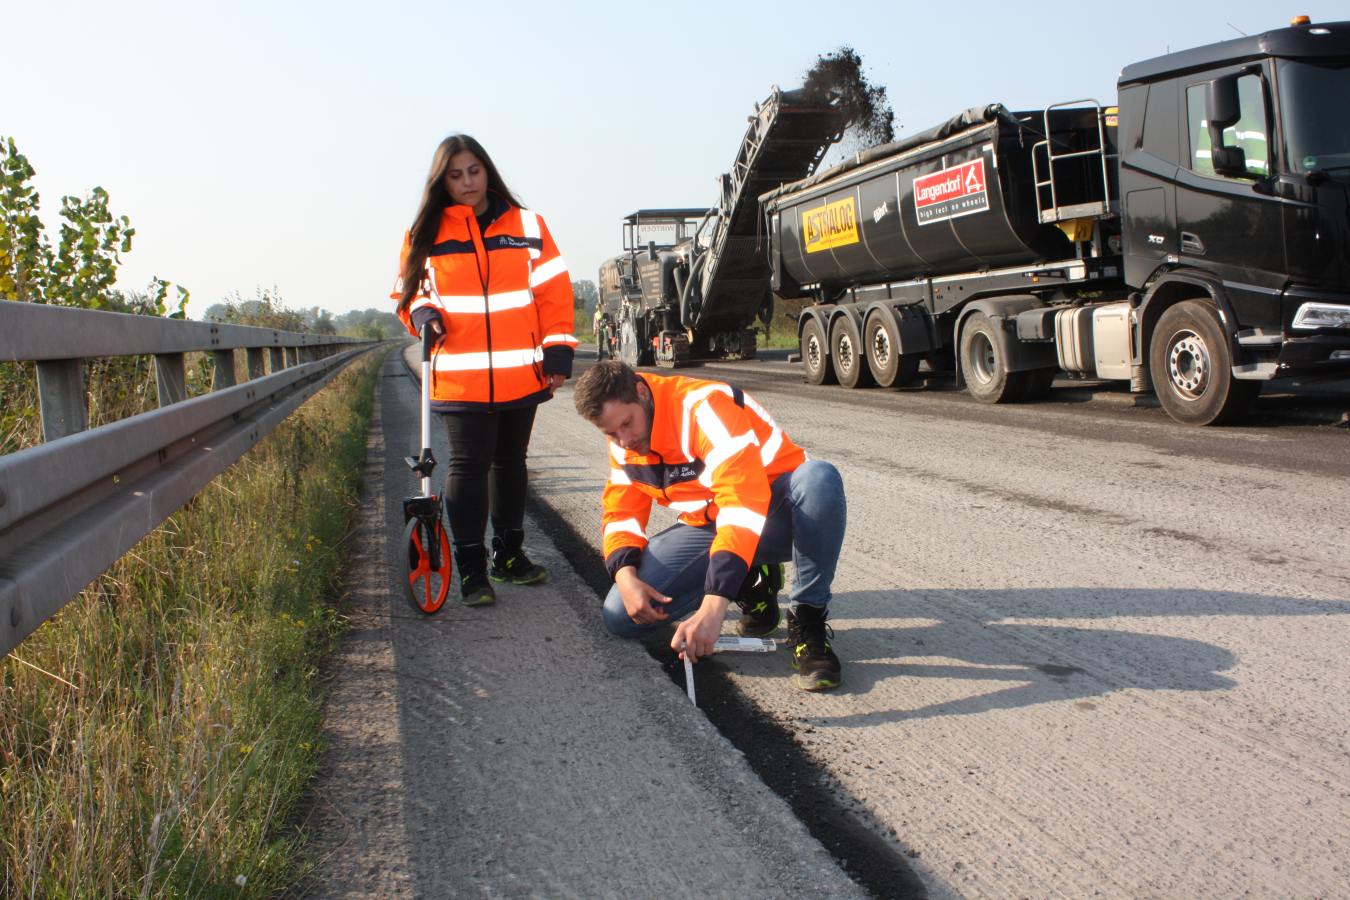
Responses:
[1178,241]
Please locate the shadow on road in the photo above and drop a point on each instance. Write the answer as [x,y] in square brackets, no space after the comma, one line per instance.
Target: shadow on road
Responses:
[1029,658]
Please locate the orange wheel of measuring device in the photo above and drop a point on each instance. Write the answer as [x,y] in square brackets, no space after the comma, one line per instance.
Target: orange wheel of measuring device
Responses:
[429,564]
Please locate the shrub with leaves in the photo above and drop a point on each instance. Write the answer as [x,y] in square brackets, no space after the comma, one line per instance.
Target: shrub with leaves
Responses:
[79,271]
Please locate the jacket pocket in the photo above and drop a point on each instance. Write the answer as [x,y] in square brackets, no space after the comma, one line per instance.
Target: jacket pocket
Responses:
[538,367]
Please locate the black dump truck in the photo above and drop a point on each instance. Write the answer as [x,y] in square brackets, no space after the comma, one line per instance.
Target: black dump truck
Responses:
[694,292]
[1193,239]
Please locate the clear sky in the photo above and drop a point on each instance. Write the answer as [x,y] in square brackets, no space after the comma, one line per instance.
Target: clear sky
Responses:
[284,145]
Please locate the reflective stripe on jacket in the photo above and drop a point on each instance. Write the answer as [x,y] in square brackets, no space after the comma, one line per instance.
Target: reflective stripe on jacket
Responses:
[505,299]
[714,453]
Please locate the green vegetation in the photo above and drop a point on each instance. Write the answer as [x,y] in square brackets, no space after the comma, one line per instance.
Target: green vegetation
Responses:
[157,734]
[79,271]
[584,297]
[783,333]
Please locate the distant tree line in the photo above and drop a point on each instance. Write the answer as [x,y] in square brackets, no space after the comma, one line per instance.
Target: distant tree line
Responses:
[585,296]
[267,311]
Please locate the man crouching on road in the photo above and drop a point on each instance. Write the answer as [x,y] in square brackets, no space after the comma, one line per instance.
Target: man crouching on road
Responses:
[748,498]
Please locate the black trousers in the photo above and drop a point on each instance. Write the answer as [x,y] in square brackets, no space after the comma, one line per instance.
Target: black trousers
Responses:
[487,472]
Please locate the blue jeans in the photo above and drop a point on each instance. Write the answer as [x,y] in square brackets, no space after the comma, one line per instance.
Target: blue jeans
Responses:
[807,514]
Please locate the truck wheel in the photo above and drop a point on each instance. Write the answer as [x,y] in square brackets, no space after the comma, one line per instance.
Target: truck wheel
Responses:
[815,356]
[882,339]
[1191,366]
[983,366]
[850,359]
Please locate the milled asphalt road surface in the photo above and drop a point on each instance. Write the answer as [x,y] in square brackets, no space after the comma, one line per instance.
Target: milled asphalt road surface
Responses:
[517,750]
[1088,652]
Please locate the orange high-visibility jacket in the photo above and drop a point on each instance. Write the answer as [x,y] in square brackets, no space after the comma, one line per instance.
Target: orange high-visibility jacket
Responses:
[505,299]
[714,453]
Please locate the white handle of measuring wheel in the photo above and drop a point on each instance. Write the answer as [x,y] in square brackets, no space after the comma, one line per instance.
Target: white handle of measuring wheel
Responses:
[427,336]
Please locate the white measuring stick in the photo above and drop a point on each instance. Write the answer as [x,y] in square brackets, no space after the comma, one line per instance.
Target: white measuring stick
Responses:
[748,644]
[426,418]
[689,680]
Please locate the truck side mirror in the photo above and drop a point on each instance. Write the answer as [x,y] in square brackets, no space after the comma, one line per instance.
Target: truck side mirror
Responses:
[651,250]
[1228,161]
[1222,101]
[1223,111]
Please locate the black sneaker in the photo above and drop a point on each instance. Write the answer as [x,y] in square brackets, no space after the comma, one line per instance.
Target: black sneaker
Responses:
[509,562]
[476,590]
[809,637]
[474,587]
[758,601]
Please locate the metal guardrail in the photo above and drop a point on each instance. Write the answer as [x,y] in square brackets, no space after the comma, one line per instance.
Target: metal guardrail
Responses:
[72,506]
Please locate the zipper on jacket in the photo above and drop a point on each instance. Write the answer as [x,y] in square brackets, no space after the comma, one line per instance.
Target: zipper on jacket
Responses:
[487,304]
[665,472]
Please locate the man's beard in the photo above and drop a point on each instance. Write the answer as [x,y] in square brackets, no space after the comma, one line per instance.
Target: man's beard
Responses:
[648,411]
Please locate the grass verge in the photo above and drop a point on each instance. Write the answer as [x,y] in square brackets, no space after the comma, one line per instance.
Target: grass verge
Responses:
[156,735]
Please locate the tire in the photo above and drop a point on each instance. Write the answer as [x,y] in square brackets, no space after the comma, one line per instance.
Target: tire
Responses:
[427,580]
[889,367]
[984,367]
[849,355]
[1191,363]
[816,365]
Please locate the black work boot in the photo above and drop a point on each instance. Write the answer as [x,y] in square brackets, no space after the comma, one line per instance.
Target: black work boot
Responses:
[809,637]
[509,562]
[758,600]
[474,587]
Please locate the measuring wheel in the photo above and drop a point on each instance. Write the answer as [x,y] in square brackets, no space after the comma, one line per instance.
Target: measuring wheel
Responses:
[429,561]
[426,581]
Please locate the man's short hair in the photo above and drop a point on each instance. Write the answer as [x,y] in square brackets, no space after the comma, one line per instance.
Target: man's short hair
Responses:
[607,380]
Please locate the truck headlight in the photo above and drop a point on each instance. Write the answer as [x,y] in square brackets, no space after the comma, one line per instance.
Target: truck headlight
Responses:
[1322,315]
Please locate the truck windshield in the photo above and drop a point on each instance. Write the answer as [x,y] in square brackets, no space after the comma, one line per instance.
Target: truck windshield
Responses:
[1313,101]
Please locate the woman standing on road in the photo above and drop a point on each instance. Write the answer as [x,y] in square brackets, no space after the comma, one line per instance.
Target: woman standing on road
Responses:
[483,273]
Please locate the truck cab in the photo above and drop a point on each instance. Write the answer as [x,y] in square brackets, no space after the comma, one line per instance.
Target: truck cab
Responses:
[1235,191]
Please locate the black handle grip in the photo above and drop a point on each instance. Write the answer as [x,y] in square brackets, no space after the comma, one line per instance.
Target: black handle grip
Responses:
[428,341]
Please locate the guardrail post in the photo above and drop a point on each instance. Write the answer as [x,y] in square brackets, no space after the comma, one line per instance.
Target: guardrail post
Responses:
[170,378]
[278,358]
[224,369]
[292,356]
[257,363]
[61,397]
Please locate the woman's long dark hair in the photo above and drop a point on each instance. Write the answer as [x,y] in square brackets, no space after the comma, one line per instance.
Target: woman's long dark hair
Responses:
[435,198]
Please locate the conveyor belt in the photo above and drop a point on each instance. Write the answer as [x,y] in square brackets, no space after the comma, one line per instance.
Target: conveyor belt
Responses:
[786,140]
